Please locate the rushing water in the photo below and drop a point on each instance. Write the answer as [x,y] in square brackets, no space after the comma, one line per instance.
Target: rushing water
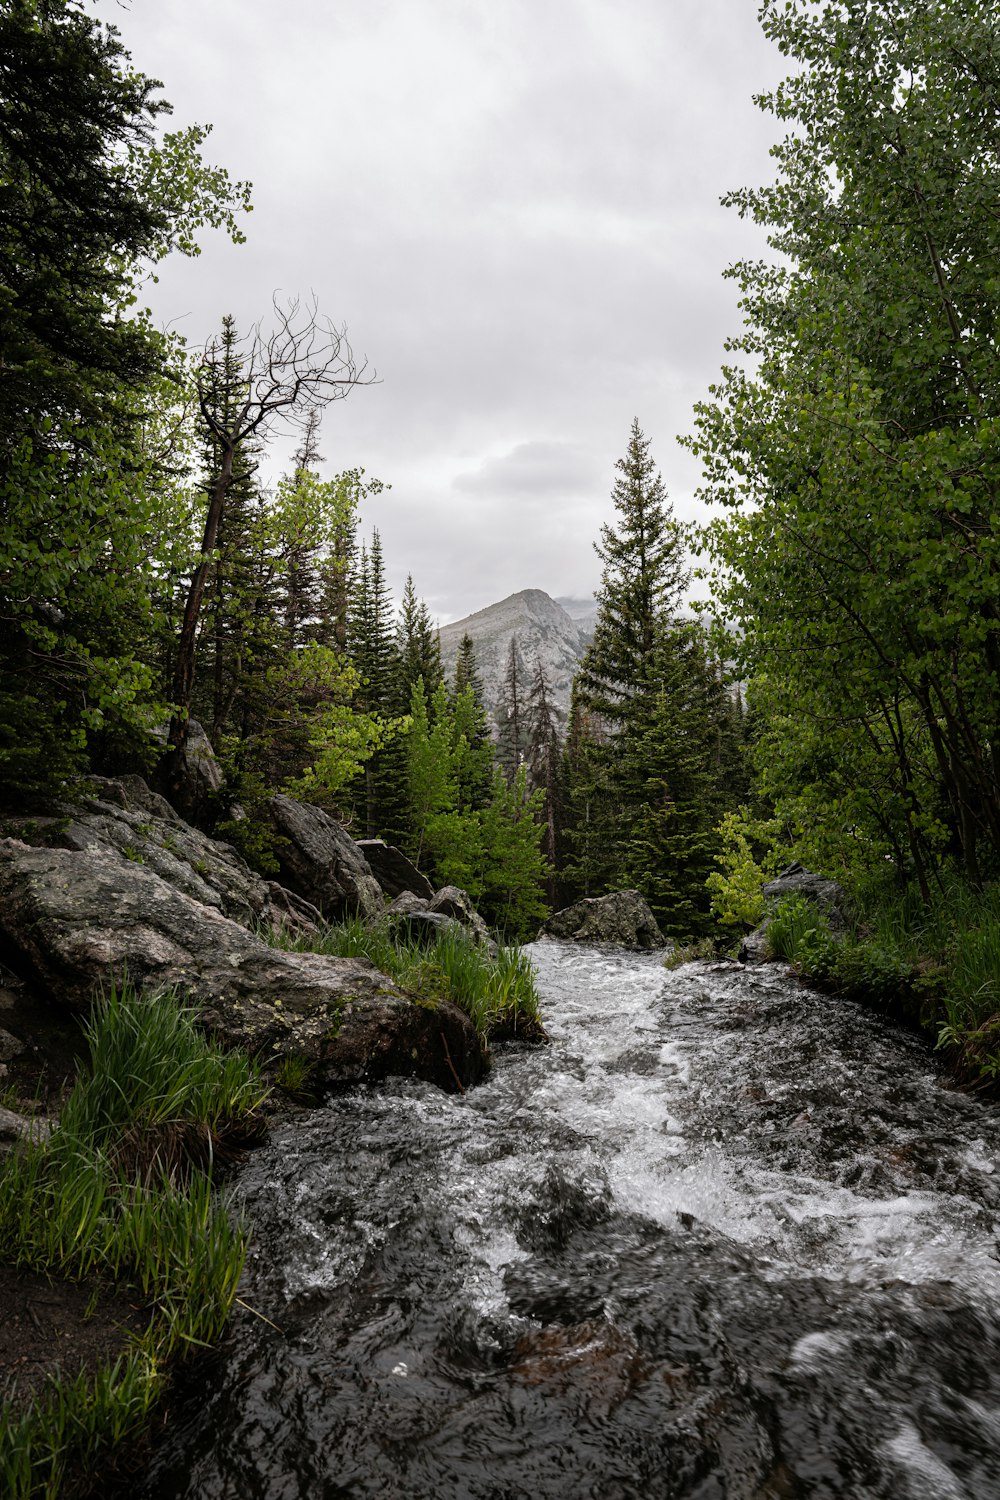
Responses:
[722,1240]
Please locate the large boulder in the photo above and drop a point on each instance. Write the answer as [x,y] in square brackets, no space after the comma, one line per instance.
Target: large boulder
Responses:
[393,871]
[452,901]
[127,818]
[827,895]
[193,780]
[320,861]
[621,918]
[73,921]
[795,880]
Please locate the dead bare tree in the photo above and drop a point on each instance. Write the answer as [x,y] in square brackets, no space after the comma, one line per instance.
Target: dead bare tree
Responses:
[304,363]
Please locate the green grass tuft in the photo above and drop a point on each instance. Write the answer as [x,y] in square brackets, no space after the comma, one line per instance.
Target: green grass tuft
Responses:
[117,1193]
[497,992]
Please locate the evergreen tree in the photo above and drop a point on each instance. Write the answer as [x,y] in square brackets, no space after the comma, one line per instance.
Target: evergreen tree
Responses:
[642,581]
[543,765]
[512,714]
[670,757]
[374,655]
[233,608]
[467,670]
[418,647]
[474,759]
[586,860]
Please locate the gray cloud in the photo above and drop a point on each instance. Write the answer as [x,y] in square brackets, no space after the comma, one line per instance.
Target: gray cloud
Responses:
[515,210]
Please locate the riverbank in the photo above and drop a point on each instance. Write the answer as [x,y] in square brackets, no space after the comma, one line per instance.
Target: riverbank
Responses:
[118,1257]
[115,1217]
[933,967]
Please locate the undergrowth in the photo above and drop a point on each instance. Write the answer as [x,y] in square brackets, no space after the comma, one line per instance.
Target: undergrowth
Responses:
[937,965]
[497,992]
[115,1195]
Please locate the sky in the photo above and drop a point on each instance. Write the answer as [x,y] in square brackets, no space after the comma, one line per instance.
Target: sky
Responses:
[514,209]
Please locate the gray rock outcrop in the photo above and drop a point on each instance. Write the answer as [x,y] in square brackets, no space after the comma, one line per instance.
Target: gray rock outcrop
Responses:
[320,861]
[621,918]
[128,819]
[795,880]
[195,783]
[393,871]
[73,920]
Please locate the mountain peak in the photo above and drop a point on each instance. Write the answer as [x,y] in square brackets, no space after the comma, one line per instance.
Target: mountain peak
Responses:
[543,631]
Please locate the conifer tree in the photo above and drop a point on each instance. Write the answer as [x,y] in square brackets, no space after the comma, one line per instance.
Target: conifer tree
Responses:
[512,714]
[418,647]
[373,653]
[474,758]
[586,849]
[641,584]
[231,612]
[543,764]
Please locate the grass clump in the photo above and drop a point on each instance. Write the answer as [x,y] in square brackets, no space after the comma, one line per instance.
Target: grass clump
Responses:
[115,1195]
[934,965]
[497,991]
[696,951]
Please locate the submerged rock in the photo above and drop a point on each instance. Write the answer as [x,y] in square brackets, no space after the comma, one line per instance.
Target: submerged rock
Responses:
[74,920]
[321,862]
[621,918]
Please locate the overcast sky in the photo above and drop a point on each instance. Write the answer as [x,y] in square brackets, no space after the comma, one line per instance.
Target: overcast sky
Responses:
[514,207]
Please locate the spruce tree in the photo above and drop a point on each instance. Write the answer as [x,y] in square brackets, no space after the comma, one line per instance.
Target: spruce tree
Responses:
[418,648]
[642,581]
[542,757]
[233,628]
[512,714]
[373,654]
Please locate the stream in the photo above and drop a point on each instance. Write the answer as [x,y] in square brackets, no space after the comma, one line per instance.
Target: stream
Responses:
[723,1239]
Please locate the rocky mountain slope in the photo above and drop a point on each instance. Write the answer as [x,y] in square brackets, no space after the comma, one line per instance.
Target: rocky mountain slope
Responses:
[543,629]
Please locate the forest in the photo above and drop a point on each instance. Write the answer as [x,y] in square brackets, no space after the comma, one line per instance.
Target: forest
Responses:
[835,700]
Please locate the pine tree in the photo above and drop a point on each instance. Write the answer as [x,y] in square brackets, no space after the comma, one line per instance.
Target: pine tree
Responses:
[512,714]
[543,764]
[641,584]
[418,648]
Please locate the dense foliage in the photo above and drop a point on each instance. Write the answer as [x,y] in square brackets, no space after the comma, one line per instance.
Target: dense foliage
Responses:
[856,452]
[654,748]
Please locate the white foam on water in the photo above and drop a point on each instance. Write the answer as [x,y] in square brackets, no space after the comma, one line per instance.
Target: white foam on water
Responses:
[814,1350]
[928,1478]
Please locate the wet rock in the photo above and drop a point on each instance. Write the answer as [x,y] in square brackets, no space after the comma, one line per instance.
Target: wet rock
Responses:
[753,948]
[621,918]
[76,920]
[321,862]
[393,871]
[452,902]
